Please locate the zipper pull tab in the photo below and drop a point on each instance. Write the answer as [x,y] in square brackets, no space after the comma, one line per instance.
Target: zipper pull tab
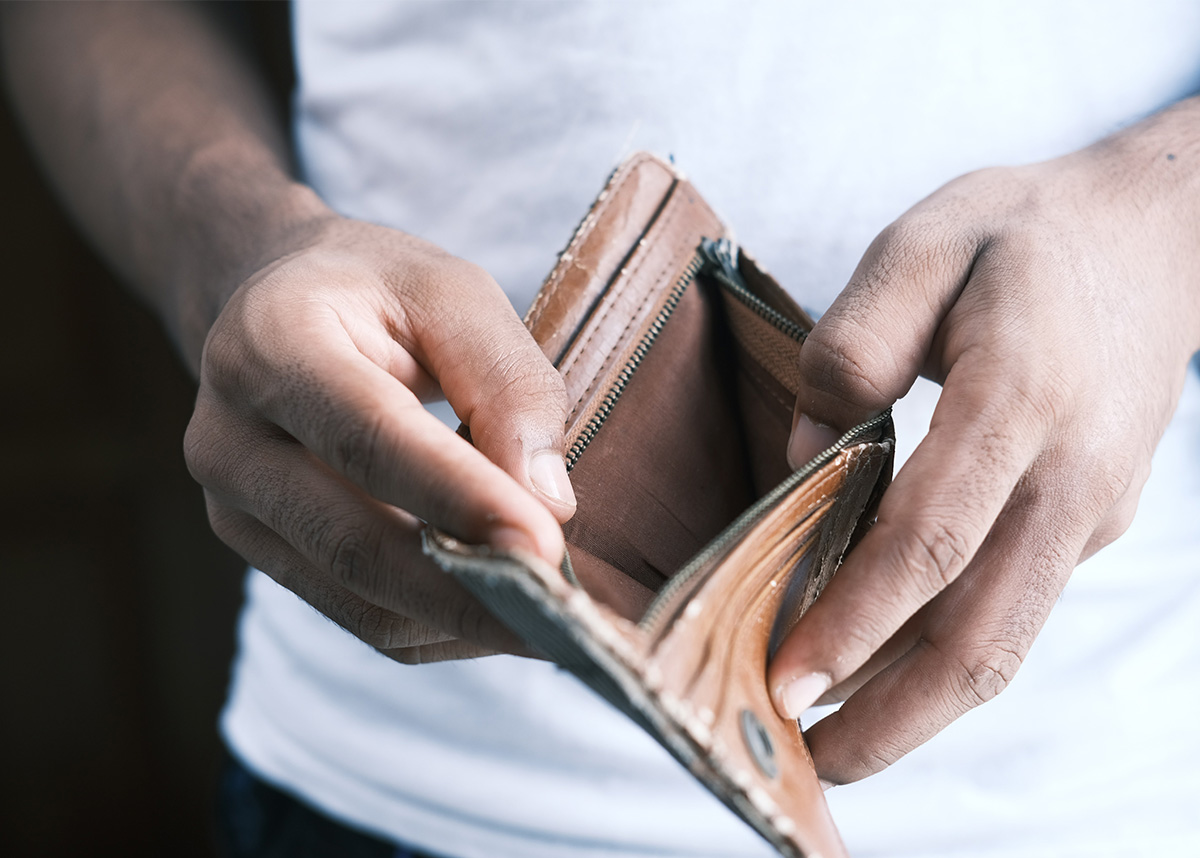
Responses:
[720,257]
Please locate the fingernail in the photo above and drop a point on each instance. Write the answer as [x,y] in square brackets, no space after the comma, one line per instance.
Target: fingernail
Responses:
[808,439]
[505,539]
[793,698]
[826,786]
[548,473]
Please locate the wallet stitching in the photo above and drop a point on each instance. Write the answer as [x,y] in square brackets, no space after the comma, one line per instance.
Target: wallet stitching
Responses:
[621,341]
[626,277]
[554,281]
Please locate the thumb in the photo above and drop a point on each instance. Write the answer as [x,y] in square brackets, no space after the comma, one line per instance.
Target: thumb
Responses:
[503,388]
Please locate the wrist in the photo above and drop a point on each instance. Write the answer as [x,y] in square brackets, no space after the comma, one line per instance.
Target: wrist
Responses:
[238,223]
[1148,177]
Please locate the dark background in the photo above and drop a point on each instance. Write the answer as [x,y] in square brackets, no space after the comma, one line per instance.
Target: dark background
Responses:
[119,605]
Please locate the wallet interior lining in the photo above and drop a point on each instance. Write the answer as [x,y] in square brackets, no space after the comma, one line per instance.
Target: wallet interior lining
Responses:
[699,433]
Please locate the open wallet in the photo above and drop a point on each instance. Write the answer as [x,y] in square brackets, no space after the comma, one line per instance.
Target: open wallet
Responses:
[695,548]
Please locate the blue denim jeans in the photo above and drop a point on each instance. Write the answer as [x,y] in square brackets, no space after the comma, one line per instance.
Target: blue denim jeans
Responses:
[256,820]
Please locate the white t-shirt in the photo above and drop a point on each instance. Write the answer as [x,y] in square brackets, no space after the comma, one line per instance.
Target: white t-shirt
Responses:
[488,128]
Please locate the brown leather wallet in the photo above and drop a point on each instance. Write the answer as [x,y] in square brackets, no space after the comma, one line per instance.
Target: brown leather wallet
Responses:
[695,547]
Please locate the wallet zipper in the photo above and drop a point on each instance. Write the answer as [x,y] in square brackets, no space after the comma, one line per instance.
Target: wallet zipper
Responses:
[750,517]
[719,258]
[635,360]
[715,259]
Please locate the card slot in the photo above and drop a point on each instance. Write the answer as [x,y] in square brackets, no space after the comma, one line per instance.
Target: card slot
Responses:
[698,435]
[654,269]
[668,469]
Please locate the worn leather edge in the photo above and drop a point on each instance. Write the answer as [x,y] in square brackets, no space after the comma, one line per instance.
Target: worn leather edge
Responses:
[614,323]
[626,207]
[624,664]
[578,634]
[595,643]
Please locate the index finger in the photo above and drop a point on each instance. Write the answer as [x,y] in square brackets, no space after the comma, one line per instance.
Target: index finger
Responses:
[883,331]
[932,521]
[354,415]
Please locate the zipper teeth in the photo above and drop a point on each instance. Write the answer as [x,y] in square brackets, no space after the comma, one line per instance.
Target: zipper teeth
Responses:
[635,359]
[761,307]
[720,256]
[750,517]
[716,262]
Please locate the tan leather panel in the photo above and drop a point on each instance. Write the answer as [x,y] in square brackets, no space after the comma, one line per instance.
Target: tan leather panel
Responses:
[611,333]
[774,354]
[711,652]
[618,219]
[746,562]
[763,284]
[694,428]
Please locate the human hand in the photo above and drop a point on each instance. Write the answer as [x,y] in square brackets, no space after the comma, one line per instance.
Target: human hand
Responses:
[319,462]
[1058,306]
[316,456]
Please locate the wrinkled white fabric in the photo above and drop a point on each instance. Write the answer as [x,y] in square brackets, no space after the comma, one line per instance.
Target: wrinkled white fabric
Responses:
[488,128]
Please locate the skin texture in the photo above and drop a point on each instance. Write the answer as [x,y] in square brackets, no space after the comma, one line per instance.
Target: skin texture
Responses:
[1058,306]
[319,461]
[1056,303]
[314,337]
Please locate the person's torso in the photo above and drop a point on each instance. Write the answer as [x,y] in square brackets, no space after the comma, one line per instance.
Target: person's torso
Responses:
[488,128]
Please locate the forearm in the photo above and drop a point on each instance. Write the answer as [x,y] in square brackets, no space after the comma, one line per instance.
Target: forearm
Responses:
[162,141]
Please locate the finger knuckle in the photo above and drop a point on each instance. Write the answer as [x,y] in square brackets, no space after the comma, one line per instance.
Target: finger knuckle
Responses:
[1114,525]
[234,349]
[866,759]
[1110,483]
[225,469]
[432,273]
[225,523]
[388,631]
[197,451]
[1110,476]
[870,629]
[900,244]
[202,449]
[468,274]
[367,621]
[374,624]
[467,619]
[1025,402]
[1044,392]
[356,448]
[934,554]
[221,357]
[410,655]
[522,396]
[920,242]
[525,377]
[352,557]
[983,675]
[837,362]
[430,653]
[1121,519]
[1116,473]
